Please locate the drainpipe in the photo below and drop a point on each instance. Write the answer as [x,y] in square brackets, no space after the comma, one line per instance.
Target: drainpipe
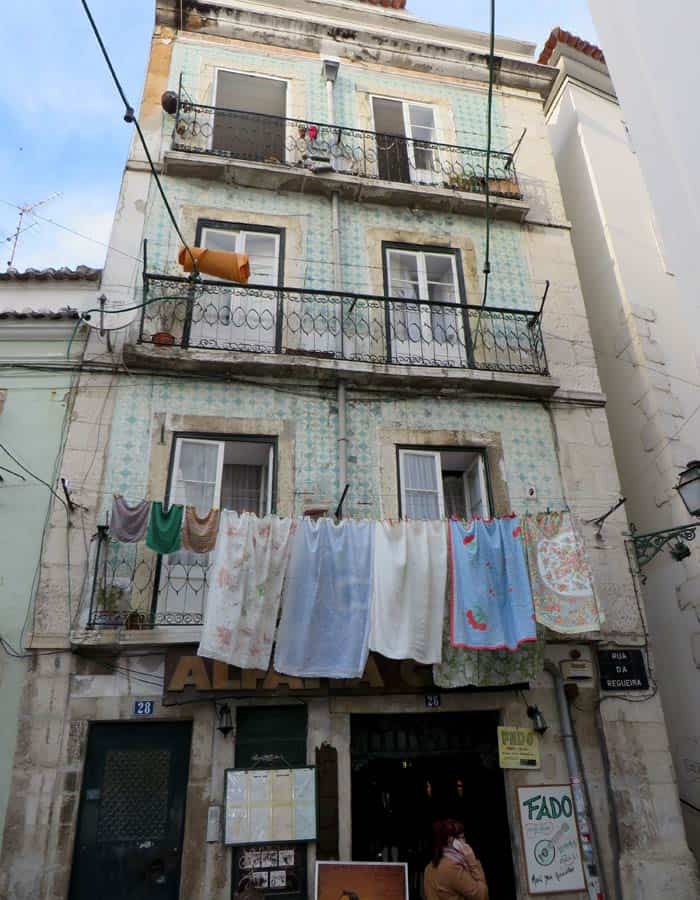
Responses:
[330,73]
[591,857]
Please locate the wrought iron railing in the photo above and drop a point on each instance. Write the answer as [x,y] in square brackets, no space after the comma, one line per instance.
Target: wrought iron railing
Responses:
[322,148]
[338,325]
[131,587]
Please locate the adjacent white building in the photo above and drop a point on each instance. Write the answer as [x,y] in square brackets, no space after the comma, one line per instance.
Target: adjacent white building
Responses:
[645,334]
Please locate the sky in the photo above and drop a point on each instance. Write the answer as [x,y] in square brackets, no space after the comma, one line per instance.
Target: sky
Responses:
[62,127]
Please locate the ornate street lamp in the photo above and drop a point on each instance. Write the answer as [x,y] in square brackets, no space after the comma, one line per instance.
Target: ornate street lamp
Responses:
[646,546]
[689,487]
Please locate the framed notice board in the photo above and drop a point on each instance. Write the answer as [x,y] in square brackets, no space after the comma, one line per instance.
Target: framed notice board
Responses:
[363,880]
[551,842]
[270,806]
[278,870]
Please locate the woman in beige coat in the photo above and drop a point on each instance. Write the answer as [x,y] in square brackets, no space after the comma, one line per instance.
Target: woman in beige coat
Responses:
[454,872]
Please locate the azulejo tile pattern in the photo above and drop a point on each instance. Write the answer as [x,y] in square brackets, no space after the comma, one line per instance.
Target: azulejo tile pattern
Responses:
[530,457]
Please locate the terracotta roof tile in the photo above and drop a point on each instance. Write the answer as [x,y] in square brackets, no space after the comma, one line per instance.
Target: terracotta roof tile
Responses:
[560,36]
[80,273]
[67,312]
[391,4]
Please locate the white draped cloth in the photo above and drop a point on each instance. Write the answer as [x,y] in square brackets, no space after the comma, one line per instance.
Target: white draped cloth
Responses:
[409,585]
[245,586]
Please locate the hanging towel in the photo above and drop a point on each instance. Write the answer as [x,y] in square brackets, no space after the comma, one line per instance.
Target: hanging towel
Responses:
[164,533]
[324,629]
[408,590]
[199,534]
[128,524]
[491,601]
[245,586]
[497,668]
[562,587]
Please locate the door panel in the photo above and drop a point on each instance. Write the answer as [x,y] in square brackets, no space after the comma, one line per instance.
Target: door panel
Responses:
[392,150]
[239,134]
[132,813]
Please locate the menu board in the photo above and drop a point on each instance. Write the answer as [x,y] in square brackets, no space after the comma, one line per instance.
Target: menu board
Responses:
[270,805]
[550,839]
[362,880]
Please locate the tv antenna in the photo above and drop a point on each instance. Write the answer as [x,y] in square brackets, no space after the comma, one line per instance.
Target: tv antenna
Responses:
[26,210]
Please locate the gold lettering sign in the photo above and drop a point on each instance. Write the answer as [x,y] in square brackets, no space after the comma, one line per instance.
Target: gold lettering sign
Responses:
[189,677]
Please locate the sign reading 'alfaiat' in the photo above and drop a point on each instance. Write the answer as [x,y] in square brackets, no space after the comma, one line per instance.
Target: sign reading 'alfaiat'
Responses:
[623,670]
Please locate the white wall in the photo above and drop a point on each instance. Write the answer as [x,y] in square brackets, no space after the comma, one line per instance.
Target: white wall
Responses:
[645,351]
[651,50]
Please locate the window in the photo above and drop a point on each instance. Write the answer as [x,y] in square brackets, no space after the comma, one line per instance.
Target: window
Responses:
[249,117]
[244,317]
[438,484]
[261,245]
[422,333]
[405,142]
[234,474]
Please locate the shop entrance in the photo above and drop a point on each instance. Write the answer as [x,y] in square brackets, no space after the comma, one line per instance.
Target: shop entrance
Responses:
[132,812]
[409,770]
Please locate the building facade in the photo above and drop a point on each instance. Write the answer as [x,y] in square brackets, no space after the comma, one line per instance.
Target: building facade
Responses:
[646,351]
[39,311]
[342,146]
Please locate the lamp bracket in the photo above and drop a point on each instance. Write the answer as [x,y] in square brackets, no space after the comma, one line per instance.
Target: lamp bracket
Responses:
[647,546]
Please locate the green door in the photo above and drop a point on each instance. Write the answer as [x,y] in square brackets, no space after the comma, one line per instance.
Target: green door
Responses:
[132,813]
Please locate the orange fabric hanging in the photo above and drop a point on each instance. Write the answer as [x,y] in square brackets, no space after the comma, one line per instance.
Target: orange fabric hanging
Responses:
[221,263]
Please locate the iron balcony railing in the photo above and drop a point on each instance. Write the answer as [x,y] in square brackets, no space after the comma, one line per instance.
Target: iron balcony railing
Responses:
[339,325]
[131,587]
[322,148]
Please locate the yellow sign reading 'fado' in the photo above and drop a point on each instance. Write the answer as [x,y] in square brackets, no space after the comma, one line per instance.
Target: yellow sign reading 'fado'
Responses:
[518,748]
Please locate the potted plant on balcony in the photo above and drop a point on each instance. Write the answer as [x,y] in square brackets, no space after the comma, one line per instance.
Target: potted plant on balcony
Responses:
[135,620]
[164,337]
[108,602]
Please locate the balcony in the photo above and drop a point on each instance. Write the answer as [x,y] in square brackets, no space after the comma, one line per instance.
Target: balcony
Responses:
[266,151]
[133,589]
[205,324]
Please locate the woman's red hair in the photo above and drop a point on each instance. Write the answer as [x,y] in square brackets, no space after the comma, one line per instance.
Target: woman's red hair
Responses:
[443,831]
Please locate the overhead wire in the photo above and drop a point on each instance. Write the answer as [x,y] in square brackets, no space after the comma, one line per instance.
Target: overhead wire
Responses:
[130,117]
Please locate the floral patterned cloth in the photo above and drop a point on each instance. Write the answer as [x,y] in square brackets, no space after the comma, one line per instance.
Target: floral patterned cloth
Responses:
[492,668]
[248,568]
[490,598]
[562,586]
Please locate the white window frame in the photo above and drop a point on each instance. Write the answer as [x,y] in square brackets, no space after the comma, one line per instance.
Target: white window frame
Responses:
[479,461]
[215,91]
[423,293]
[435,455]
[265,497]
[407,127]
[179,441]
[240,232]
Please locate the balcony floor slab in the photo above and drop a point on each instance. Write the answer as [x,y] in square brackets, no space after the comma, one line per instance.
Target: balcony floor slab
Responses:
[275,177]
[231,363]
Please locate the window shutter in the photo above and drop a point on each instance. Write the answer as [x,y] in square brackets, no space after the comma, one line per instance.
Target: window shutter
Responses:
[421,484]
[328,818]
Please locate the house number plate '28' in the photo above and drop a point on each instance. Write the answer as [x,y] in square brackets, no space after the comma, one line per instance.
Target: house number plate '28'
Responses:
[143,707]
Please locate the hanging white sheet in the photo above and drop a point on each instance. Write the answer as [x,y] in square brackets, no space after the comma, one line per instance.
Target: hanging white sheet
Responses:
[409,584]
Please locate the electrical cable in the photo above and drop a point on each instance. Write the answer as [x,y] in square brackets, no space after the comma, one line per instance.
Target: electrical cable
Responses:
[35,476]
[130,117]
[489,114]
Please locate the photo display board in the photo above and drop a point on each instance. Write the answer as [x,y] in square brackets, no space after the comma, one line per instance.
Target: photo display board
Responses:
[550,839]
[266,806]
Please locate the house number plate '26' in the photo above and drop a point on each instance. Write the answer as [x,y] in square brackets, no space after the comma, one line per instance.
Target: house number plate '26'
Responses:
[144,707]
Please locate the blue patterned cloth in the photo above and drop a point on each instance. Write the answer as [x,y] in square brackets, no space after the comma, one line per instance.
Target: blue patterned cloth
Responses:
[324,629]
[490,598]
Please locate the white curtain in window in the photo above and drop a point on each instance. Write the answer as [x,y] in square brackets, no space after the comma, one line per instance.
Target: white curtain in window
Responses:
[422,488]
[241,488]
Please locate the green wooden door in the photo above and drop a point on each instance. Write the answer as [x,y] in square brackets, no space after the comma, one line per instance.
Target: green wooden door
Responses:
[132,813]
